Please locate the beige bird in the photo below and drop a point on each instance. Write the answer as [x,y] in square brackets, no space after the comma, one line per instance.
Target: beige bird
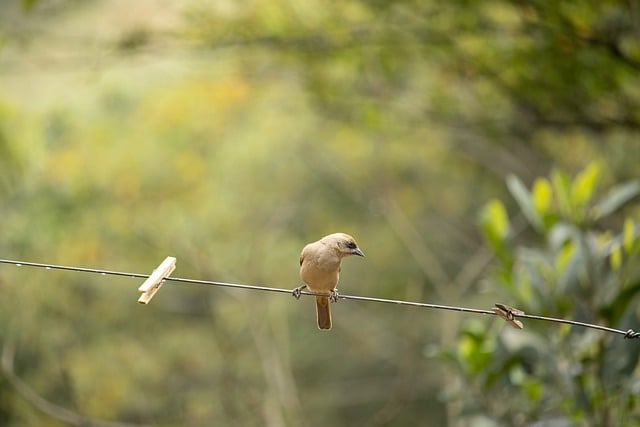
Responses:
[320,264]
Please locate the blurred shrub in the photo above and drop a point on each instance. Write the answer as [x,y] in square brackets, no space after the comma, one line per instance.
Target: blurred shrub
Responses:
[577,259]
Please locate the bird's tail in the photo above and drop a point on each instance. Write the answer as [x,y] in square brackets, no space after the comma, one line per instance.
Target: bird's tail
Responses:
[323,312]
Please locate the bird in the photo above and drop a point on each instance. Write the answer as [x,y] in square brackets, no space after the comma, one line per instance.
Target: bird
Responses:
[320,265]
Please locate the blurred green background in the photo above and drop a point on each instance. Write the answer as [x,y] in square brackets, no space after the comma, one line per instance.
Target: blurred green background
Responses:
[479,152]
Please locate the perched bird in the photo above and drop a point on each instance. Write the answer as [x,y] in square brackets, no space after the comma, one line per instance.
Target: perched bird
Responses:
[320,270]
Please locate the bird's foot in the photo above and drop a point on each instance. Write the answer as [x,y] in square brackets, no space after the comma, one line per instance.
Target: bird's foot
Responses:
[334,295]
[298,291]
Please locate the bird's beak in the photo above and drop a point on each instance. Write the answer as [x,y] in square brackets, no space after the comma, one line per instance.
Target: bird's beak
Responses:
[358,251]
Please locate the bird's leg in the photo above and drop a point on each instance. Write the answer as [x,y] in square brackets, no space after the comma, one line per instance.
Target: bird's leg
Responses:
[298,291]
[333,295]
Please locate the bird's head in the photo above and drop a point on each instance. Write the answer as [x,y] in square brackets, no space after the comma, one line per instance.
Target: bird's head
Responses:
[344,244]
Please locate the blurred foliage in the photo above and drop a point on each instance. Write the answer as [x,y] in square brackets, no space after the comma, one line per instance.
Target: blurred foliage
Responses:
[570,267]
[229,134]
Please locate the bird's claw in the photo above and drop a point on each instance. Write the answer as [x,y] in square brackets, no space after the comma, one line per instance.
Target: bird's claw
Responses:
[298,291]
[333,296]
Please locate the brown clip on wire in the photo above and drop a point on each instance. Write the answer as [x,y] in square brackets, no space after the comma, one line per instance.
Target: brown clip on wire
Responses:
[509,314]
[154,281]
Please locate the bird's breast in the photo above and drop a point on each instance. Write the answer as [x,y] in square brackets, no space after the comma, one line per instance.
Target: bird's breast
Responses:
[321,274]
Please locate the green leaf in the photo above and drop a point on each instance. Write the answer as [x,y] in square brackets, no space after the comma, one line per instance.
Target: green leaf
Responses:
[475,348]
[584,185]
[542,193]
[560,183]
[524,200]
[565,255]
[628,234]
[615,258]
[494,219]
[617,198]
[495,226]
[533,388]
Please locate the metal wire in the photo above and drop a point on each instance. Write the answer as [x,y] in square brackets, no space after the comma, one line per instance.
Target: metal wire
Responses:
[511,313]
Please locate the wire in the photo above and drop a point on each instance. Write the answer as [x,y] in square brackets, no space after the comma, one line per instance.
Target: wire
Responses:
[506,312]
[237,285]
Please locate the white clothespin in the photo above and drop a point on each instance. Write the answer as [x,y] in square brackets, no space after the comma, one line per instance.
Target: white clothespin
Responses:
[150,286]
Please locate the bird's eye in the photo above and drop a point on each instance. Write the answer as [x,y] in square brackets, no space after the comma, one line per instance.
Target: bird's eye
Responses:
[351,245]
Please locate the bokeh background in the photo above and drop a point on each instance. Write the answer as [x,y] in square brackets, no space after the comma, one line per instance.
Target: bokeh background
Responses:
[479,152]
